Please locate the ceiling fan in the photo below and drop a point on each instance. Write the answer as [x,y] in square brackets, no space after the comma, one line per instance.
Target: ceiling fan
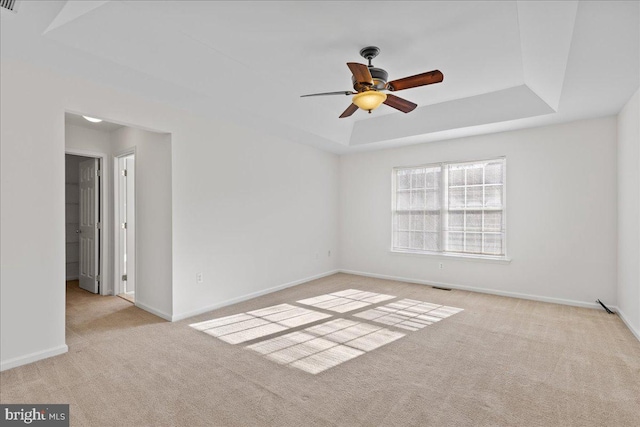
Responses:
[370,81]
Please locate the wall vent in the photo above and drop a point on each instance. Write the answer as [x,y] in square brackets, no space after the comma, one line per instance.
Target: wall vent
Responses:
[8,4]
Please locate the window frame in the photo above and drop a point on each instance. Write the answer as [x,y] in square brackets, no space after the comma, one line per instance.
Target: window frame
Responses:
[444,213]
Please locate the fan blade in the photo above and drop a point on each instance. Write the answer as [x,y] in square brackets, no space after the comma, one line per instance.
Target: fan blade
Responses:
[360,72]
[423,79]
[399,103]
[345,92]
[349,111]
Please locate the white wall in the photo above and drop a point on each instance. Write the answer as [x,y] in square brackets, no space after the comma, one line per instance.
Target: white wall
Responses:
[254,213]
[629,213]
[32,271]
[153,215]
[249,211]
[87,140]
[561,213]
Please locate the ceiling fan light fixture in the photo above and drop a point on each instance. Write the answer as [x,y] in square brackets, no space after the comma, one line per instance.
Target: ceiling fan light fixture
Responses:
[369,100]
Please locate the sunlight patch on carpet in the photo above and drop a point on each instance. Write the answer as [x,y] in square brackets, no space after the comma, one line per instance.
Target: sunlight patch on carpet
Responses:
[408,314]
[326,345]
[333,342]
[347,300]
[244,327]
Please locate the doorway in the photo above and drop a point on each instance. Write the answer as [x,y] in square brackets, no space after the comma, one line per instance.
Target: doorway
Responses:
[136,224]
[126,213]
[83,222]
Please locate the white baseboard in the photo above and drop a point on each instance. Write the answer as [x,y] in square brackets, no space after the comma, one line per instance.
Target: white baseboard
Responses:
[236,300]
[625,320]
[154,311]
[475,289]
[33,357]
[72,278]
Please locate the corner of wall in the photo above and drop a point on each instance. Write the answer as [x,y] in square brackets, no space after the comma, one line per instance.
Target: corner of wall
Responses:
[33,357]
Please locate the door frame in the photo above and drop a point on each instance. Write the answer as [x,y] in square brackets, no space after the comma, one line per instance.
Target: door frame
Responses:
[104,267]
[118,256]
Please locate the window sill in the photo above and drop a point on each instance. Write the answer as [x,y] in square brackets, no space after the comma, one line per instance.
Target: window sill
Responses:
[462,257]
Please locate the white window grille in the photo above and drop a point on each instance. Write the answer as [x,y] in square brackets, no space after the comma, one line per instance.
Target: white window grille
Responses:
[456,208]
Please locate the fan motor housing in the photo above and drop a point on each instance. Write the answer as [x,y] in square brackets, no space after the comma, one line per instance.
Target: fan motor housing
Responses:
[380,77]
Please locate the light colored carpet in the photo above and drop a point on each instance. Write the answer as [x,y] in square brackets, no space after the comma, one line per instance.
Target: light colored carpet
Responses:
[129,297]
[500,362]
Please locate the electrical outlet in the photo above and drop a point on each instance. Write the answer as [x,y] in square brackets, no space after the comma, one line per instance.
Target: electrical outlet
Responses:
[329,253]
[441,265]
[199,278]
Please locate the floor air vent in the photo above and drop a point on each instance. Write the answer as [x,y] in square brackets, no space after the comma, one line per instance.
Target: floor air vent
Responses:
[8,4]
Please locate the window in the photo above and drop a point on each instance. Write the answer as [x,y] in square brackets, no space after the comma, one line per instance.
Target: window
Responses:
[454,208]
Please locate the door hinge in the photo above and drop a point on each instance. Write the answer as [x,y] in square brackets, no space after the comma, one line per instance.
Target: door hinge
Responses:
[124,172]
[124,225]
[98,278]
[98,225]
[98,172]
[124,277]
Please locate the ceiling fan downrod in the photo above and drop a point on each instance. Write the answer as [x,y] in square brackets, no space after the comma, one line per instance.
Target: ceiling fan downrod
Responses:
[369,53]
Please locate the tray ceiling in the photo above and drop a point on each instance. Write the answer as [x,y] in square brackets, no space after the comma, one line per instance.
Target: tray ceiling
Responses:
[506,64]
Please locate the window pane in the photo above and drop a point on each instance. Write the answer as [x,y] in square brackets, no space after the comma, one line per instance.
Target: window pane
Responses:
[402,200]
[433,199]
[474,220]
[474,174]
[456,175]
[473,242]
[455,242]
[493,196]
[493,173]
[417,178]
[417,199]
[456,197]
[402,179]
[402,239]
[402,219]
[482,208]
[492,220]
[433,178]
[474,196]
[417,221]
[431,242]
[493,244]
[432,221]
[456,220]
[409,210]
[417,240]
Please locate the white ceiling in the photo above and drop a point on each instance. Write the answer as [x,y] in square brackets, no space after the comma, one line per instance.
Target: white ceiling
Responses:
[507,64]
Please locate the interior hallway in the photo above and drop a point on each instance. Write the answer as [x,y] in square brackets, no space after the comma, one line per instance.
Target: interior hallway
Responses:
[501,361]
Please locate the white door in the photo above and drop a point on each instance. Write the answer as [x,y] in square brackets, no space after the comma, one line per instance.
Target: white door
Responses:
[89,227]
